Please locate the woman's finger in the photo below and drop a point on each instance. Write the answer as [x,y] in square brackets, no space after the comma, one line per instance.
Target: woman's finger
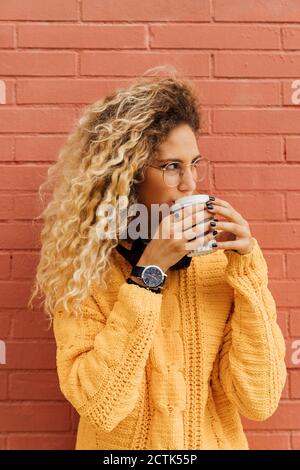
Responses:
[197,230]
[238,245]
[236,229]
[200,241]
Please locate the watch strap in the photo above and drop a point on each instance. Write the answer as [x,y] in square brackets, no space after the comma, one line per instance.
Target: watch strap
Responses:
[131,281]
[137,271]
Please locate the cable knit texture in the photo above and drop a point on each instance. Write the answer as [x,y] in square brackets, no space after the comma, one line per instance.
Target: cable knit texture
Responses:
[174,370]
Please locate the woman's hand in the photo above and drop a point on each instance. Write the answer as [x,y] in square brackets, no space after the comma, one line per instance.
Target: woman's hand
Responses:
[189,229]
[236,234]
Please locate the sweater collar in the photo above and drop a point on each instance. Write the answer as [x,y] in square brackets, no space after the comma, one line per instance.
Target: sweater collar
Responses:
[137,248]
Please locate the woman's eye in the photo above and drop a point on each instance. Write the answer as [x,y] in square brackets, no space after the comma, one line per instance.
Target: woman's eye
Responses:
[172,166]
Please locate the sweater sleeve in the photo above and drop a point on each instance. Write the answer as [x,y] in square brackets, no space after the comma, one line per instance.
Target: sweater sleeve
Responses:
[100,361]
[252,369]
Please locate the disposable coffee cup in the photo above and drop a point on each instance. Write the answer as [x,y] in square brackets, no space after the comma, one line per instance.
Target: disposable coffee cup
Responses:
[188,201]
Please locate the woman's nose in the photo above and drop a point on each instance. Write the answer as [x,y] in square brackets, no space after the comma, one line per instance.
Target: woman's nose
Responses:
[187,180]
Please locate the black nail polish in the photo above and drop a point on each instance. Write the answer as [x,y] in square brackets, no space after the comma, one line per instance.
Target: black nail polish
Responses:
[209,206]
[213,223]
[215,220]
[215,232]
[214,245]
[211,198]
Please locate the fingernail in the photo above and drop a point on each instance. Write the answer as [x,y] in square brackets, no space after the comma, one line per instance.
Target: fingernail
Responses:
[213,223]
[209,206]
[215,232]
[211,198]
[214,245]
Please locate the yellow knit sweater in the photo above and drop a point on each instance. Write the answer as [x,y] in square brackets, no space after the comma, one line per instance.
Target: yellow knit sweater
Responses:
[174,370]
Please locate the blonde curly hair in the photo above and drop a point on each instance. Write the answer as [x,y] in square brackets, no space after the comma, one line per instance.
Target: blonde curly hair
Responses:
[104,157]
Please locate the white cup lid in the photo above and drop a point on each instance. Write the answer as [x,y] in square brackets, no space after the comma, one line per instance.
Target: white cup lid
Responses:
[188,200]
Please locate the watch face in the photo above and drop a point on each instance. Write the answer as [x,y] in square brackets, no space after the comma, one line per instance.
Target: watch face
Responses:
[152,276]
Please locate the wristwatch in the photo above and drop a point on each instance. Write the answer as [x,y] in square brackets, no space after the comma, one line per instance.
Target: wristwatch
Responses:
[151,275]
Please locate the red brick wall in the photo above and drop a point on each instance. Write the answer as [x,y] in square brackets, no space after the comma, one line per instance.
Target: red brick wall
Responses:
[58,55]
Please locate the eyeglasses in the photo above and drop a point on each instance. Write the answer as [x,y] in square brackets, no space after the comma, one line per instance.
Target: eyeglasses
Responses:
[173,171]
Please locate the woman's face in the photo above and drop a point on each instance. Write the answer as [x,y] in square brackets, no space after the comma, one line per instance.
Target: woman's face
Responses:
[181,144]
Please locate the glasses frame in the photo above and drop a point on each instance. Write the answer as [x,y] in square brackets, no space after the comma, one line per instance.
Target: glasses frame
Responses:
[182,170]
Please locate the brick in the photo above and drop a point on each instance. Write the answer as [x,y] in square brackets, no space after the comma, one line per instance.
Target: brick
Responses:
[34,417]
[37,10]
[295,323]
[6,35]
[256,206]
[293,265]
[251,121]
[14,294]
[34,386]
[4,265]
[6,206]
[295,383]
[26,207]
[134,10]
[5,323]
[205,122]
[214,36]
[239,93]
[65,90]
[24,265]
[29,355]
[260,177]
[286,294]
[75,419]
[251,64]
[264,441]
[277,235]
[285,391]
[293,149]
[275,262]
[27,177]
[285,418]
[39,147]
[31,324]
[296,440]
[19,236]
[83,36]
[2,443]
[37,441]
[37,120]
[133,63]
[291,37]
[37,63]
[6,148]
[256,10]
[282,317]
[241,149]
[3,386]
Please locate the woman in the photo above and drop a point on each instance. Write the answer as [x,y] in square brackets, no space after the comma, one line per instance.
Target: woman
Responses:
[170,366]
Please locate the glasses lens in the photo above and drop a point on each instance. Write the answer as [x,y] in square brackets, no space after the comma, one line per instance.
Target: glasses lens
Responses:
[172,173]
[200,170]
